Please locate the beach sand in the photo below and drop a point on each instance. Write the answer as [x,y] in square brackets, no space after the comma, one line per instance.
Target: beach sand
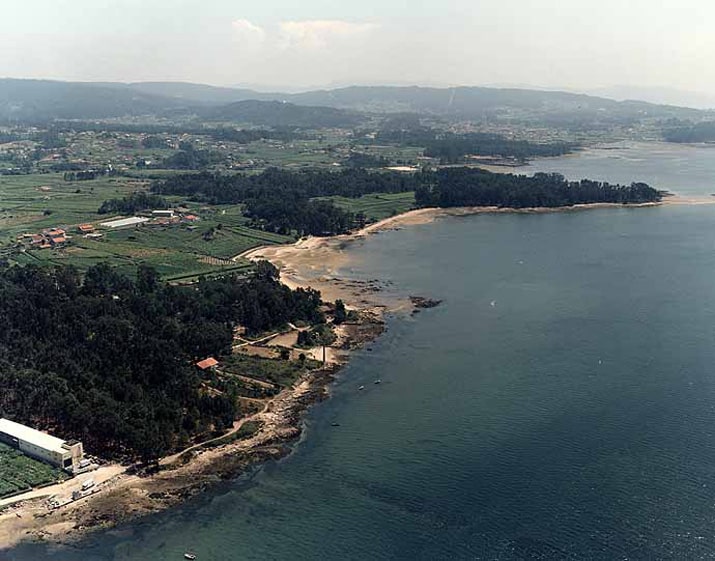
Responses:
[310,262]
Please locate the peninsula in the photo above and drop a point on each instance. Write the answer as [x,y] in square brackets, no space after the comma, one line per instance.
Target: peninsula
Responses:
[162,419]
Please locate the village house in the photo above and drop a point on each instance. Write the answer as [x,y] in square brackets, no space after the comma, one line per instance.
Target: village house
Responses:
[207,363]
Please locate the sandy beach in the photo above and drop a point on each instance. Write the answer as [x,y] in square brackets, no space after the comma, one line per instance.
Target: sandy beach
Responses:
[316,262]
[310,262]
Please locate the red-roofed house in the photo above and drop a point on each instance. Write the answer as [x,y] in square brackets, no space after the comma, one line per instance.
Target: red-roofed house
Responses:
[207,363]
[86,228]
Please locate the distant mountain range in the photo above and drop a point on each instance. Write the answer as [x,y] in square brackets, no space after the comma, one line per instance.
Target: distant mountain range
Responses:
[41,100]
[282,114]
[668,96]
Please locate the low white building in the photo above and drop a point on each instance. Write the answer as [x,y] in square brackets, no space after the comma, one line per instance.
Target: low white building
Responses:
[124,222]
[163,213]
[41,446]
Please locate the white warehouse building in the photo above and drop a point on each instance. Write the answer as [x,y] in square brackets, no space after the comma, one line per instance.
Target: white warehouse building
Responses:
[42,446]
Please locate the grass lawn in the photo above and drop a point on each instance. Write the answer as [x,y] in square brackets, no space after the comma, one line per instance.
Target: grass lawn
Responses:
[271,370]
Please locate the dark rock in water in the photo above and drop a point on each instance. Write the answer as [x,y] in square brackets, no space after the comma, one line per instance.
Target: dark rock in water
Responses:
[422,302]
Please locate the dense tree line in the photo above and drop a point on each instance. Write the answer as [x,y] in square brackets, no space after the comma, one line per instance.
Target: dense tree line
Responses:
[110,359]
[293,213]
[475,187]
[452,148]
[189,157]
[700,132]
[85,175]
[363,160]
[154,142]
[215,188]
[281,201]
[133,203]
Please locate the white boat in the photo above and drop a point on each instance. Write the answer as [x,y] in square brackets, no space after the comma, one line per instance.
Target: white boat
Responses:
[188,555]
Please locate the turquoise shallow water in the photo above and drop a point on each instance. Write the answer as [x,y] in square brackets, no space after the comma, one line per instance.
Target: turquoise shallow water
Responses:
[559,404]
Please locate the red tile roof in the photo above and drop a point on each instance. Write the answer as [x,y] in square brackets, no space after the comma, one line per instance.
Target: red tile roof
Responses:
[207,363]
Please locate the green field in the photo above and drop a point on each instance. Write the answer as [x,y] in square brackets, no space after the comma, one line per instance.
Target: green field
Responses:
[179,252]
[377,206]
[282,373]
[19,472]
[31,203]
[25,198]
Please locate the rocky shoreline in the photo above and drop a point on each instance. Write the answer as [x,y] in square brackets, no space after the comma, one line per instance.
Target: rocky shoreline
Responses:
[127,497]
[314,262]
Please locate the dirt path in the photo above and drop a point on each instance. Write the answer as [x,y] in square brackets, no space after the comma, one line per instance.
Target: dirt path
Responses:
[168,460]
[259,341]
[99,476]
[253,381]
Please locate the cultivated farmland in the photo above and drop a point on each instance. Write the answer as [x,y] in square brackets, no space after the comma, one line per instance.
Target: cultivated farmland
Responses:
[20,473]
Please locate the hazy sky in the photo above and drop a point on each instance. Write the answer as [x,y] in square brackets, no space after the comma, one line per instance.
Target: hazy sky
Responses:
[555,43]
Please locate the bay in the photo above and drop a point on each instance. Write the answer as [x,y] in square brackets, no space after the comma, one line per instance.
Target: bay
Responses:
[688,170]
[559,404]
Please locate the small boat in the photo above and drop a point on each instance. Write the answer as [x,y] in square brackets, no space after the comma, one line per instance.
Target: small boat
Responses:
[361,388]
[378,381]
[334,424]
[188,555]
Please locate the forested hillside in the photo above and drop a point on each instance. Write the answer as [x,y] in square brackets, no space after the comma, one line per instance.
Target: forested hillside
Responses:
[699,132]
[110,359]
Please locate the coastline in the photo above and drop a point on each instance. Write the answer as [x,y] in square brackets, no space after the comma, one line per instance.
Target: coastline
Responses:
[311,262]
[316,261]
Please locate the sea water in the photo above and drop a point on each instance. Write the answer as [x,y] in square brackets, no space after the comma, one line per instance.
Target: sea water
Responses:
[558,404]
